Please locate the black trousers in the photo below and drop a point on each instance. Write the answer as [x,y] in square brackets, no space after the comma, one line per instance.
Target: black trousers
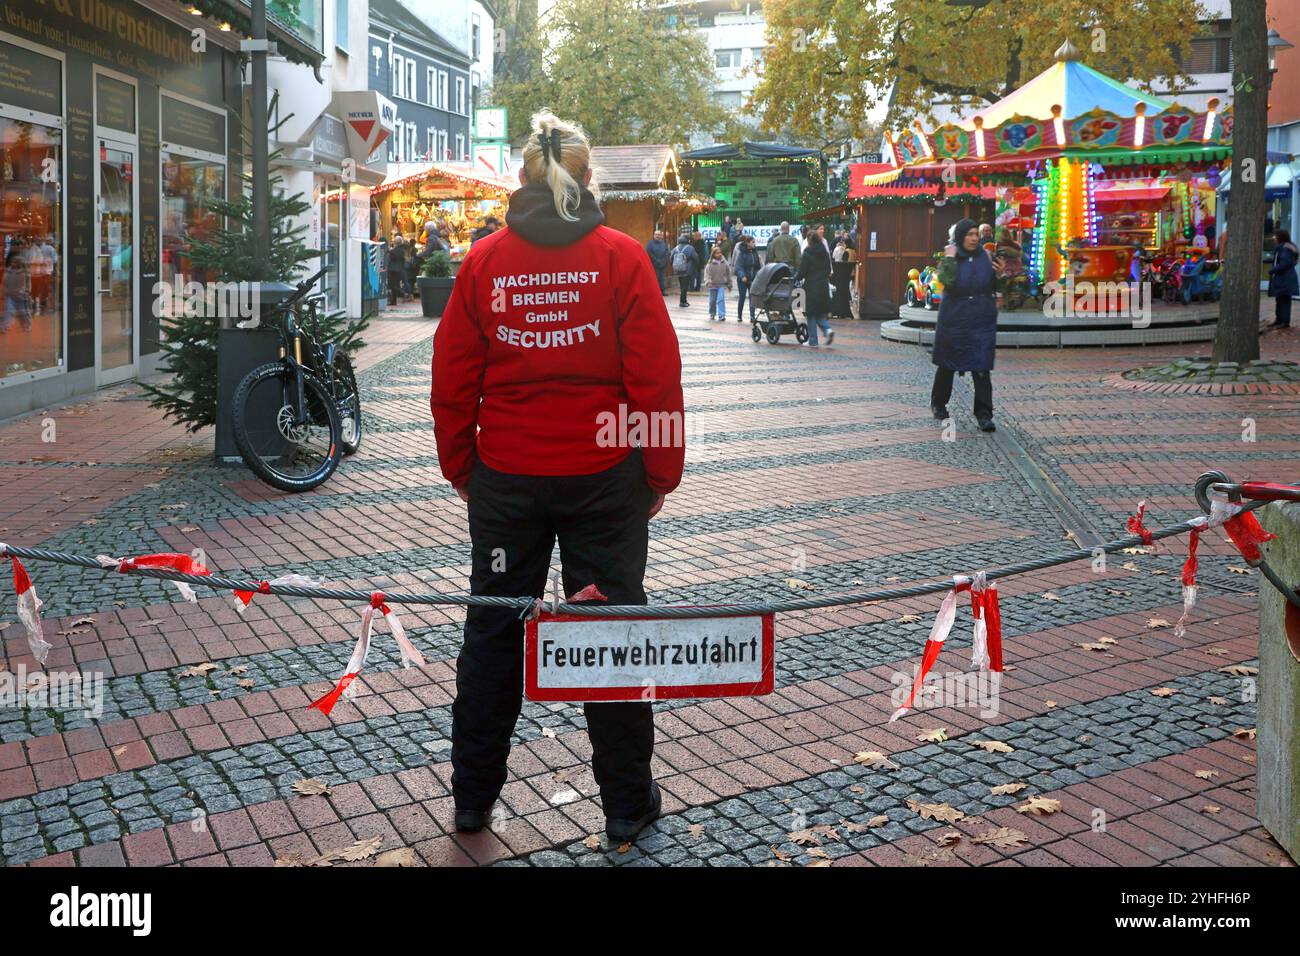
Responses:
[942,391]
[601,521]
[684,283]
[1283,310]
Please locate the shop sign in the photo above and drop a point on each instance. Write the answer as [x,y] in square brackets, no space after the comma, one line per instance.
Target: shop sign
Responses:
[30,81]
[193,127]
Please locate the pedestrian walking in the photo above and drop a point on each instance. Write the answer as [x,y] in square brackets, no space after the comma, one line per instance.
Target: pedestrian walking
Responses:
[396,267]
[965,338]
[815,273]
[684,262]
[745,266]
[17,291]
[784,248]
[717,276]
[659,254]
[516,412]
[701,254]
[490,225]
[1282,280]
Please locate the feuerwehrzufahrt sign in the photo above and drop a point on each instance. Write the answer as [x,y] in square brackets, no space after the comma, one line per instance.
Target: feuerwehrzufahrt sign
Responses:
[575,658]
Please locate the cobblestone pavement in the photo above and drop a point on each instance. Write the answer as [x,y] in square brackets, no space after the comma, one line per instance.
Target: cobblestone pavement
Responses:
[822,466]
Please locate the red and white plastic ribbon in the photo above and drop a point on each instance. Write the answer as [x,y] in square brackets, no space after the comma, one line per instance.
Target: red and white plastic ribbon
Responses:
[245,598]
[1243,528]
[29,610]
[184,563]
[1189,572]
[410,655]
[1135,525]
[986,646]
[939,632]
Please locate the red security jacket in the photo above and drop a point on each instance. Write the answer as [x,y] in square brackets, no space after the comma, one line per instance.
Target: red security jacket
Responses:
[556,335]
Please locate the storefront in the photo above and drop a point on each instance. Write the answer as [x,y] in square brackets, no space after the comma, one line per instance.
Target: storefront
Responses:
[113,136]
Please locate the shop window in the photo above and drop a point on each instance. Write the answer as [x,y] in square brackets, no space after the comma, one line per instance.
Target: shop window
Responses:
[31,269]
[189,186]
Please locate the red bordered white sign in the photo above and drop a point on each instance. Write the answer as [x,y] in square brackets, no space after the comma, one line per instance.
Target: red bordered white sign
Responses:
[577,658]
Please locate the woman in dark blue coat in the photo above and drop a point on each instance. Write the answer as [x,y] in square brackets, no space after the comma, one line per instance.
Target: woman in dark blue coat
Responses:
[815,273]
[1282,281]
[966,336]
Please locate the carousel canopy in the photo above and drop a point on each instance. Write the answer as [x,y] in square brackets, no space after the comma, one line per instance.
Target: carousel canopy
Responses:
[1071,85]
[1068,110]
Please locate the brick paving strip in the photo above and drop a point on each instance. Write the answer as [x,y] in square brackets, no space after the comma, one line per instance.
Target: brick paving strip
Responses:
[841,442]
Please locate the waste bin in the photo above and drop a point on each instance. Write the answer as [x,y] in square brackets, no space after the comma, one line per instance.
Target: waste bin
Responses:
[239,351]
[1277,737]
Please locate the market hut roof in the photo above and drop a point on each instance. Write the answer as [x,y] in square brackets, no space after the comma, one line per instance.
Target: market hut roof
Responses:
[449,180]
[635,167]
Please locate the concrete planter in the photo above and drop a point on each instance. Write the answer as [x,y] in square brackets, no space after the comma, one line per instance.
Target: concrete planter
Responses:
[1278,734]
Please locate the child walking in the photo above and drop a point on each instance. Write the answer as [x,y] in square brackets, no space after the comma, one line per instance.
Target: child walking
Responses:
[717,276]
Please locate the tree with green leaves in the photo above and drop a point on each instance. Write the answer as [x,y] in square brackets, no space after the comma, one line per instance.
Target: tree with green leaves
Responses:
[628,70]
[831,59]
[189,341]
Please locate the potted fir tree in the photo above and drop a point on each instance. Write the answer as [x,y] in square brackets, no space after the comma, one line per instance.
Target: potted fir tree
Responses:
[435,282]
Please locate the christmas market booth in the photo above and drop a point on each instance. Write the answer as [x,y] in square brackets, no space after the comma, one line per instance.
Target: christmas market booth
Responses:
[1102,197]
[458,196]
[641,191]
[762,184]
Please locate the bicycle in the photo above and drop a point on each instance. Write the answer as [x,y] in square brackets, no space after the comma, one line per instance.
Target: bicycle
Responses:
[295,418]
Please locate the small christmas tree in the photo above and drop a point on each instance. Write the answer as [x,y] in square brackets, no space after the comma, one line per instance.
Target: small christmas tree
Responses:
[190,343]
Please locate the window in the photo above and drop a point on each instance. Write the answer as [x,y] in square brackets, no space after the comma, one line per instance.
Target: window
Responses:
[412,151]
[442,89]
[474,37]
[188,187]
[31,246]
[431,142]
[757,55]
[430,84]
[461,152]
[442,145]
[727,59]
[411,89]
[460,95]
[341,24]
[399,75]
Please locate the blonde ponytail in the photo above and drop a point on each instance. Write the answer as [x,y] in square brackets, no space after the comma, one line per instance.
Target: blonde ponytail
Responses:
[564,173]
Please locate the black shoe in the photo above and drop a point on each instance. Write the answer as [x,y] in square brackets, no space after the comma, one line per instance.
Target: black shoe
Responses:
[471,821]
[830,336]
[940,412]
[625,831]
[986,425]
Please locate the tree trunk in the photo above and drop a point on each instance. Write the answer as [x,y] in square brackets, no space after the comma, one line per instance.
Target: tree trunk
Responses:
[1237,337]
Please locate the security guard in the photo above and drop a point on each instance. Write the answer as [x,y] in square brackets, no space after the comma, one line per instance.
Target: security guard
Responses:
[518,399]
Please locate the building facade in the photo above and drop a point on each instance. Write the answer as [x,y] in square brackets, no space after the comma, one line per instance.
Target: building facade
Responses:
[736,34]
[113,131]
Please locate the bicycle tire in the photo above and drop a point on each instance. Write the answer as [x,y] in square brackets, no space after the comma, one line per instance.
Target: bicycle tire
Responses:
[313,388]
[346,379]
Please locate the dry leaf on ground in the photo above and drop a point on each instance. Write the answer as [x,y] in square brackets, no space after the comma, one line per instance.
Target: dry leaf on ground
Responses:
[1005,838]
[936,811]
[1040,806]
[311,787]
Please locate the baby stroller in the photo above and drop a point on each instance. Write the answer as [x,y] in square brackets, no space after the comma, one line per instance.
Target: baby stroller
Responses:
[772,296]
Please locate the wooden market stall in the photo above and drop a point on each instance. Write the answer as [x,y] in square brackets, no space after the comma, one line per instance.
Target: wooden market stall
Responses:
[456,195]
[641,190]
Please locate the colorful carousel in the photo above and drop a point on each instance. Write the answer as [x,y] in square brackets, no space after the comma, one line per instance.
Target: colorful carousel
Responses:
[1105,208]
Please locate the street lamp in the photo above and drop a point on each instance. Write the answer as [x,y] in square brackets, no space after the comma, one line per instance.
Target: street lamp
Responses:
[1276,43]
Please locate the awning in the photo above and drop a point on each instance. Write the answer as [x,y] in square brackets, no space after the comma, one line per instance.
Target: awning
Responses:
[1277,181]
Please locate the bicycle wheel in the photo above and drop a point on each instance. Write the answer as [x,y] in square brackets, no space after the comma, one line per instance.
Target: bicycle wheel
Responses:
[347,399]
[284,452]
